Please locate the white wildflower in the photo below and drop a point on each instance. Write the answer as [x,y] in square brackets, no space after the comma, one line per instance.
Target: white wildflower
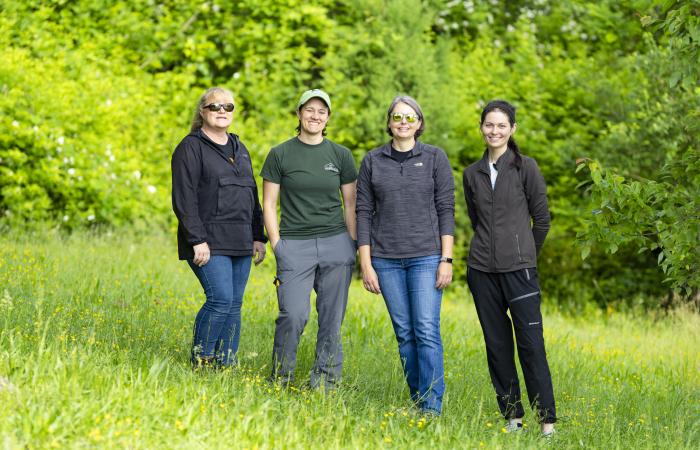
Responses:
[6,385]
[6,301]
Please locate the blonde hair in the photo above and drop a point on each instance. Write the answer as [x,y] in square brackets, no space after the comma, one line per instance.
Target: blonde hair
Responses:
[197,120]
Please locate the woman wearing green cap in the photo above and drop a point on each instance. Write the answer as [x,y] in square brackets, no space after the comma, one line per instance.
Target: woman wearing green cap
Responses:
[314,243]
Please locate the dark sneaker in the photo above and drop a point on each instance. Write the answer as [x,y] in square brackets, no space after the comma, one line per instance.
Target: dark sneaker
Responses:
[204,363]
[281,380]
[321,381]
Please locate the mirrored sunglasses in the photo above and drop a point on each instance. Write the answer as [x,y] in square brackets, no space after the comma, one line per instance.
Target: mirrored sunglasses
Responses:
[214,107]
[398,117]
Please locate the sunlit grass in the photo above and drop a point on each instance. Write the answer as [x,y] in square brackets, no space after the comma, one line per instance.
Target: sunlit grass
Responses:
[95,342]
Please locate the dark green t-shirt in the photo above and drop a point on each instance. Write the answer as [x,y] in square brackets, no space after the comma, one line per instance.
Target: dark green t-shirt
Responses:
[310,177]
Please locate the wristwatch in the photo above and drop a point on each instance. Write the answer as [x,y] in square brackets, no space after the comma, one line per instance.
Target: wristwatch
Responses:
[446,259]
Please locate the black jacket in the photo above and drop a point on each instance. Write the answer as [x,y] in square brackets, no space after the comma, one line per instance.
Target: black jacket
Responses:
[215,199]
[505,239]
[404,208]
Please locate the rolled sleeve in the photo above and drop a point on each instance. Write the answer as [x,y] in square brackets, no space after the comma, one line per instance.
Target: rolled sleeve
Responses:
[348,172]
[271,170]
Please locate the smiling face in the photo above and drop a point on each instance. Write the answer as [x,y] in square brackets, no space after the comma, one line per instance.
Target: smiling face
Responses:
[313,117]
[217,120]
[496,129]
[403,129]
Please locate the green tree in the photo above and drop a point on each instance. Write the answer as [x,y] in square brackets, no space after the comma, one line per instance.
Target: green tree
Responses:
[660,214]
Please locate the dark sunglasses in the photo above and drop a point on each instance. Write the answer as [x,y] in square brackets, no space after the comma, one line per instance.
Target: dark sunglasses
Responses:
[214,107]
[398,117]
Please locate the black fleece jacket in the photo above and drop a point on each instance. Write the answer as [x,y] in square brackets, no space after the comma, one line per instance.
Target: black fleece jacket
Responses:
[511,220]
[215,198]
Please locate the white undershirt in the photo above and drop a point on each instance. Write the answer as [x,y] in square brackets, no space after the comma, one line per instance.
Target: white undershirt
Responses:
[494,174]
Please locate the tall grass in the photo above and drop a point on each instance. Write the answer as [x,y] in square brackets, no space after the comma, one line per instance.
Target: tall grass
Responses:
[94,352]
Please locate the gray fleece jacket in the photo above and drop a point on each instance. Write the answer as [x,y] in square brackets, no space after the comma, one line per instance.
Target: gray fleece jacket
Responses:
[404,208]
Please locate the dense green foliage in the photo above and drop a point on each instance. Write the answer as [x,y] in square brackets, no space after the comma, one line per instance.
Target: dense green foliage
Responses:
[653,204]
[96,94]
[94,347]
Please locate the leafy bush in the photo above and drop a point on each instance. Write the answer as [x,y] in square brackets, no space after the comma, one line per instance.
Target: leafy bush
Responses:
[86,144]
[659,212]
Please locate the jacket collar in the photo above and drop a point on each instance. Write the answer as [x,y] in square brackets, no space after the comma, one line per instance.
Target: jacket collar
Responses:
[204,138]
[417,149]
[503,162]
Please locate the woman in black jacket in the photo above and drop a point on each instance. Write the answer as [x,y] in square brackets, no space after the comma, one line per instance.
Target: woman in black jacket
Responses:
[220,224]
[507,203]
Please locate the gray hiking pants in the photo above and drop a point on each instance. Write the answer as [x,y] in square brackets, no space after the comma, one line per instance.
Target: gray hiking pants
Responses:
[326,265]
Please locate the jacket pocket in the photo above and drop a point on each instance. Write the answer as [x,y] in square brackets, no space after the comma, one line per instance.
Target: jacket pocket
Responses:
[235,199]
[234,236]
[525,247]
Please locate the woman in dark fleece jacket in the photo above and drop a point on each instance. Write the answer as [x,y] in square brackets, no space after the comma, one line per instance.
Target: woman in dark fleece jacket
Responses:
[405,228]
[507,204]
[220,224]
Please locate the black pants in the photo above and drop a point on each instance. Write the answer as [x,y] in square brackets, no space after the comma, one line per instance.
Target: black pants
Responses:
[494,294]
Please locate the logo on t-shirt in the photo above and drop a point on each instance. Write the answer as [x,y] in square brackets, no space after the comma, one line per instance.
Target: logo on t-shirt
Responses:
[331,168]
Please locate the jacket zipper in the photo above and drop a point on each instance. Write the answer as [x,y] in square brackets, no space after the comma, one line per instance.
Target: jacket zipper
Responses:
[517,242]
[493,246]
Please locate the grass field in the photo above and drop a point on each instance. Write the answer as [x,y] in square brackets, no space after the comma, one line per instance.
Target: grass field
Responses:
[95,343]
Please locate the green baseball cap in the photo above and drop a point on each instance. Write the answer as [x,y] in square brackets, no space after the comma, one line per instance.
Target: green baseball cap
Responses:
[314,93]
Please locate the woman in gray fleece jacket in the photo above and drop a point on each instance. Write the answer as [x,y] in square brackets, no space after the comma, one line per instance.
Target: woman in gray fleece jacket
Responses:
[405,227]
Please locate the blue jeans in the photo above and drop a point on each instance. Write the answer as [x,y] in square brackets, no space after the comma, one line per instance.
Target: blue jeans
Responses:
[217,327]
[408,287]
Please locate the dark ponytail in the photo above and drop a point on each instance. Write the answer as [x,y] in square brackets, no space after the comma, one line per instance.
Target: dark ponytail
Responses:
[509,110]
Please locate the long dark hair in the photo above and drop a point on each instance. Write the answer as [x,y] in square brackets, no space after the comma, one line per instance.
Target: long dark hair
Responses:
[509,110]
